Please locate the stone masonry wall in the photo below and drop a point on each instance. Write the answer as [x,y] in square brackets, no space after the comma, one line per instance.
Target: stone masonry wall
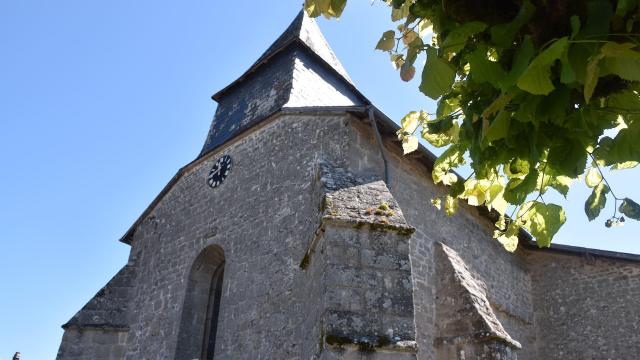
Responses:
[586,308]
[94,344]
[263,216]
[508,284]
[368,286]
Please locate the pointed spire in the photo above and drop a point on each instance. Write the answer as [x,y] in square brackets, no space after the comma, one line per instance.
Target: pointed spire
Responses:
[305,29]
[302,29]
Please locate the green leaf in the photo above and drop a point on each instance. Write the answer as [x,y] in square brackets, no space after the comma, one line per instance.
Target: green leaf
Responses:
[508,238]
[517,168]
[387,42]
[414,48]
[457,38]
[593,177]
[521,60]
[447,105]
[443,138]
[568,157]
[518,189]
[552,53]
[410,122]
[409,144]
[496,106]
[542,221]
[450,158]
[401,12]
[312,8]
[625,146]
[397,4]
[450,205]
[630,208]
[553,108]
[437,76]
[596,201]
[397,60]
[575,25]
[337,6]
[625,165]
[578,55]
[567,74]
[499,128]
[560,183]
[504,34]
[527,110]
[537,78]
[619,50]
[548,178]
[624,100]
[624,6]
[621,60]
[484,70]
[625,68]
[437,203]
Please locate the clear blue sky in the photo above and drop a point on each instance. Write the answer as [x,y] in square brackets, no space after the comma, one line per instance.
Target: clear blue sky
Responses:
[102,102]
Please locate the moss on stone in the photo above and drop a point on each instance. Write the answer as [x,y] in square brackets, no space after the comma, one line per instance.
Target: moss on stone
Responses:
[384,207]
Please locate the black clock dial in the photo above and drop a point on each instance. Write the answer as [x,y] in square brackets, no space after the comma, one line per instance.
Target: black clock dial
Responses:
[219,171]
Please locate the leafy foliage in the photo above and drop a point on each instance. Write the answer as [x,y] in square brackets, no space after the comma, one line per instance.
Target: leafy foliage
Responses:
[525,91]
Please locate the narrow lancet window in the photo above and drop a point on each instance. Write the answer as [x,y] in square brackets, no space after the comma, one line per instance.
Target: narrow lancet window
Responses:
[201,308]
[211,323]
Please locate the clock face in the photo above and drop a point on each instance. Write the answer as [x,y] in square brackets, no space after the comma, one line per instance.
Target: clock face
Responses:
[219,171]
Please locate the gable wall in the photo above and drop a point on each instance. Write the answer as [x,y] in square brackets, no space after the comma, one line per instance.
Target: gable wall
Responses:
[263,216]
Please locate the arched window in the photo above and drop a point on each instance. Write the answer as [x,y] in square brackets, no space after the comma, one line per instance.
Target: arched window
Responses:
[199,323]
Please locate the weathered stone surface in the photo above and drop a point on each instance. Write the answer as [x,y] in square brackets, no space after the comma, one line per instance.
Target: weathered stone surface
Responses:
[585,307]
[466,325]
[359,201]
[92,343]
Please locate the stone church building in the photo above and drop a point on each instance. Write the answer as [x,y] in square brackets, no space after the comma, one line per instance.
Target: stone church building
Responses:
[302,232]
